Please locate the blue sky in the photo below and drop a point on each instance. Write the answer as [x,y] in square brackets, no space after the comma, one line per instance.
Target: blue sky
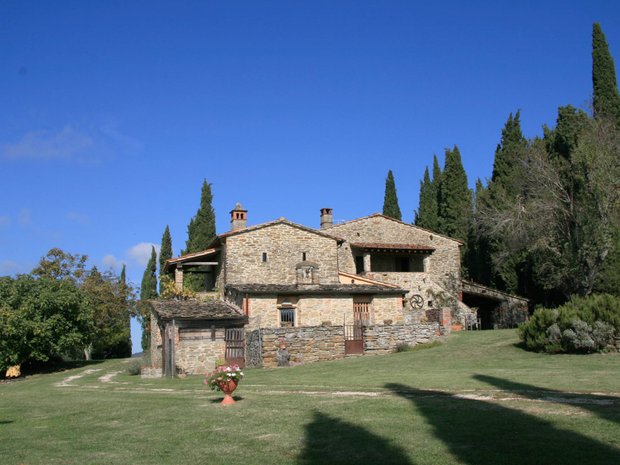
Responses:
[114,112]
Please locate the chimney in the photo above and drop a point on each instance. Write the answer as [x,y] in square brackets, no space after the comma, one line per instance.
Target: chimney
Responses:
[326,218]
[238,218]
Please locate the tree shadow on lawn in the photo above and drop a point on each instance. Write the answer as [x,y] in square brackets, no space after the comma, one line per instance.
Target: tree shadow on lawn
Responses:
[330,440]
[603,406]
[485,433]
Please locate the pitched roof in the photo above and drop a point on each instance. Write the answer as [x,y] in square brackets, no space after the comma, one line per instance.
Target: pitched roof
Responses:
[213,309]
[315,289]
[380,215]
[276,222]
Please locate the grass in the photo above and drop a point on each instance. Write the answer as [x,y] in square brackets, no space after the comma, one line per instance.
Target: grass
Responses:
[477,399]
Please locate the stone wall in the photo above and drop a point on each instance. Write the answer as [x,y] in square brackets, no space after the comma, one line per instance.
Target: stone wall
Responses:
[305,345]
[321,309]
[283,245]
[441,265]
[320,343]
[253,349]
[196,352]
[380,339]
[156,343]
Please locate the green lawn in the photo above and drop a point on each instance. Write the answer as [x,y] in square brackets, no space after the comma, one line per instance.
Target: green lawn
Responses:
[477,399]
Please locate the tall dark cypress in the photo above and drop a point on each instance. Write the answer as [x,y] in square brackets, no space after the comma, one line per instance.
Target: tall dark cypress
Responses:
[478,259]
[148,290]
[165,253]
[507,166]
[426,216]
[455,199]
[148,287]
[606,100]
[201,228]
[122,280]
[502,193]
[390,200]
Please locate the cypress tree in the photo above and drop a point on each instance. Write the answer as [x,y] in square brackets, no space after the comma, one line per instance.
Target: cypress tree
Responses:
[455,199]
[390,200]
[148,287]
[606,100]
[122,280]
[165,253]
[478,259]
[606,103]
[148,290]
[200,233]
[201,228]
[426,216]
[507,166]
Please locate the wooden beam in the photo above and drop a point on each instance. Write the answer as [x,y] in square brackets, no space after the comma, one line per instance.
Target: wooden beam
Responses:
[199,263]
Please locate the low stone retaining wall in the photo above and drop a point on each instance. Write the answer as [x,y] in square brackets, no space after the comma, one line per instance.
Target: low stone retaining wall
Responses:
[319,343]
[381,339]
[304,345]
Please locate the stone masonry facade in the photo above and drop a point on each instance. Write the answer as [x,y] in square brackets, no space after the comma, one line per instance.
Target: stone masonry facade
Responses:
[270,255]
[321,343]
[442,265]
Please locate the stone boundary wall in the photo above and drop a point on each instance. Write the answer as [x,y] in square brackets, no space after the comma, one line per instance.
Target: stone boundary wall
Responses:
[319,343]
[305,345]
[381,339]
[253,349]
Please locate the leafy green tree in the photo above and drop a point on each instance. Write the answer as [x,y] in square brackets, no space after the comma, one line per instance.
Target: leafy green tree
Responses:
[108,297]
[455,198]
[58,264]
[606,100]
[390,200]
[42,319]
[564,231]
[165,253]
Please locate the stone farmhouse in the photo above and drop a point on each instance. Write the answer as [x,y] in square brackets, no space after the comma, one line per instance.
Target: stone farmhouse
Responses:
[279,293]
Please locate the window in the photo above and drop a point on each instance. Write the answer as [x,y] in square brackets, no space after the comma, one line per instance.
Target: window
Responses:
[287,317]
[264,257]
[361,310]
[359,264]
[402,264]
[303,256]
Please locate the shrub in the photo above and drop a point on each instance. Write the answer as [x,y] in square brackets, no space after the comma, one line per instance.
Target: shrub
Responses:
[582,325]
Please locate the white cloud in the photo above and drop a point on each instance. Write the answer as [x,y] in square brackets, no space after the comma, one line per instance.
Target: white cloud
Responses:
[76,217]
[141,253]
[46,145]
[25,217]
[110,261]
[10,267]
[113,133]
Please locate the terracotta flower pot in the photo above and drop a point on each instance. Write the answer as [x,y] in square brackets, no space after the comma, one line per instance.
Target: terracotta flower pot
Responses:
[227,387]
